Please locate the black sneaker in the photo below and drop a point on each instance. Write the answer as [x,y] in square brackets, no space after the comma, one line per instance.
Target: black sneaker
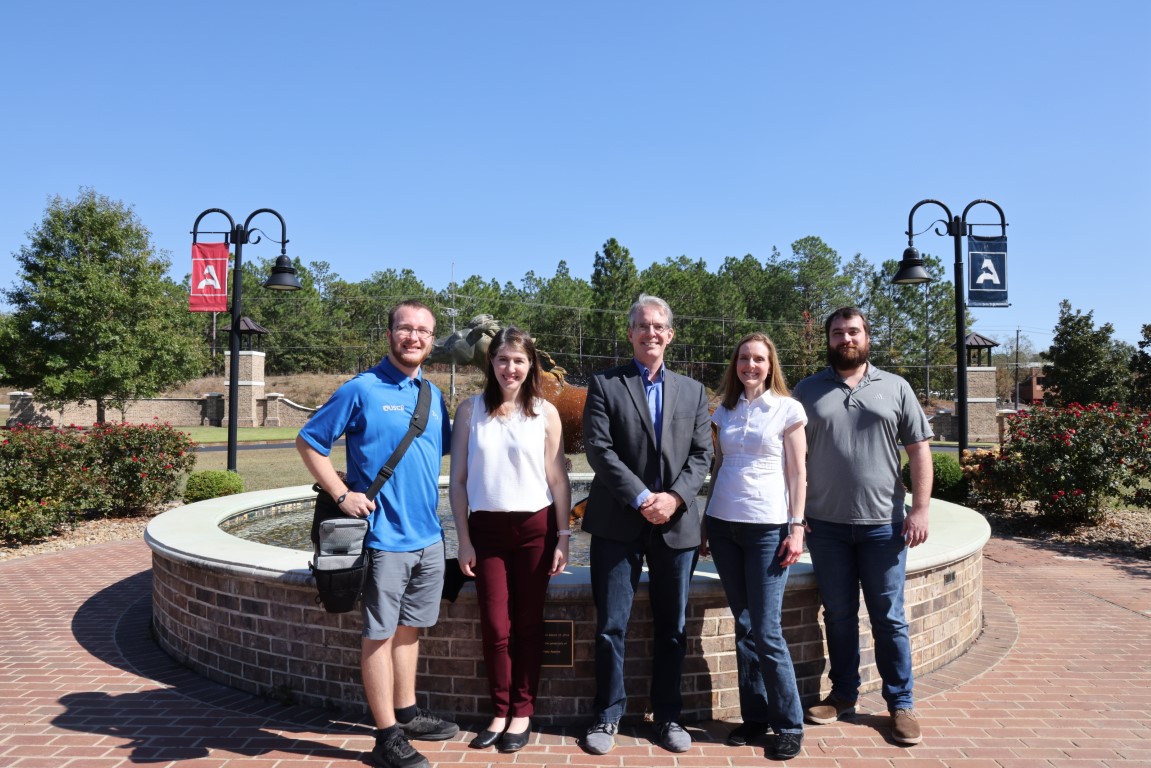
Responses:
[429,727]
[395,752]
[787,745]
[744,734]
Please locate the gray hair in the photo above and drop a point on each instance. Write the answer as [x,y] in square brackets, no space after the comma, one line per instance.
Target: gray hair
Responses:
[647,300]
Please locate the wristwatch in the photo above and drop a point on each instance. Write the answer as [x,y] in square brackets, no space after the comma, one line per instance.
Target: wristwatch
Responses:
[796,521]
[343,496]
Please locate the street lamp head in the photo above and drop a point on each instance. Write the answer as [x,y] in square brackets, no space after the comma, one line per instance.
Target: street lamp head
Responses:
[911,271]
[283,277]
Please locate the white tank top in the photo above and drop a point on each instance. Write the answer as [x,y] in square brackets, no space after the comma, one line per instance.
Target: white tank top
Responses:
[506,461]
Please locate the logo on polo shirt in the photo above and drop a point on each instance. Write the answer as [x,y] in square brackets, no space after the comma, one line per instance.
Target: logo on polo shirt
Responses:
[388,408]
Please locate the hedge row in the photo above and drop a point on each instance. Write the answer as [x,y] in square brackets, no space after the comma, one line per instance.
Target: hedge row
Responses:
[51,478]
[1072,462]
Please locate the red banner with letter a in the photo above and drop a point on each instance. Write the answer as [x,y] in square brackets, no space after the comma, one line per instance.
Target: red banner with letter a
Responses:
[209,289]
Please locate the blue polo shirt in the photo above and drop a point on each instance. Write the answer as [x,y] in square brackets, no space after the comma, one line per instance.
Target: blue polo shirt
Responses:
[372,411]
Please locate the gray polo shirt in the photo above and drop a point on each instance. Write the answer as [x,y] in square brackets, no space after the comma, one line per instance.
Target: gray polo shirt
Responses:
[853,457]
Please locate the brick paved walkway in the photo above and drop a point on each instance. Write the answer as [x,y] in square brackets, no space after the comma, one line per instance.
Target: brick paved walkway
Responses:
[1060,677]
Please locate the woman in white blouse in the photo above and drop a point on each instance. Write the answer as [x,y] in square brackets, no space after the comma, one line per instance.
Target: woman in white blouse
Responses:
[754,530]
[511,501]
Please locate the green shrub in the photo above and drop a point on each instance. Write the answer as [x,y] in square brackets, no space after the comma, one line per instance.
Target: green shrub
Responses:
[1071,461]
[31,520]
[995,480]
[139,465]
[38,464]
[49,477]
[947,478]
[212,483]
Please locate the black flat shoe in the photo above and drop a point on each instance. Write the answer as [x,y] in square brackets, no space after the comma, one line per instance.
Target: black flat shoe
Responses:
[484,739]
[514,742]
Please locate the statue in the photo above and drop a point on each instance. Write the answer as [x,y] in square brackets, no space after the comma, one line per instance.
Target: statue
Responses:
[469,346]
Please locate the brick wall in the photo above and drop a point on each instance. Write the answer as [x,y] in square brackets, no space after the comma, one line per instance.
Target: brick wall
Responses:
[178,411]
[263,633]
[275,410]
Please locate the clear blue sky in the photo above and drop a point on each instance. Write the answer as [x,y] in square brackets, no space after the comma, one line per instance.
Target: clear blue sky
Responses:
[500,137]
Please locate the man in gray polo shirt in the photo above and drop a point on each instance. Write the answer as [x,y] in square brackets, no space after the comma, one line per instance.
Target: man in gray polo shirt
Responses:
[859,530]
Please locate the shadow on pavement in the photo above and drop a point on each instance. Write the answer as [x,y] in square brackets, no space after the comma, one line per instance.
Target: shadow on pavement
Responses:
[182,716]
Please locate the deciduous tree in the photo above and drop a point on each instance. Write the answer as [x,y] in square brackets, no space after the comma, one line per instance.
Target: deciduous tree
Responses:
[94,315]
[1141,371]
[6,341]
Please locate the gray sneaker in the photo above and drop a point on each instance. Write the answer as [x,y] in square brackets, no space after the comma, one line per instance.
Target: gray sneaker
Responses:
[600,738]
[672,737]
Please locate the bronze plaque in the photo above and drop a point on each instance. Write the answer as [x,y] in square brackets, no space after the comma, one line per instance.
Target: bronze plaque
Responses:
[559,643]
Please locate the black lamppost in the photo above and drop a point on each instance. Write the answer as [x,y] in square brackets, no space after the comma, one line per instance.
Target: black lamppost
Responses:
[911,272]
[927,343]
[283,278]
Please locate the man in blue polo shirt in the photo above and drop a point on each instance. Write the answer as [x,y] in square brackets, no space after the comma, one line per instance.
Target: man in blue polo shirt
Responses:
[405,582]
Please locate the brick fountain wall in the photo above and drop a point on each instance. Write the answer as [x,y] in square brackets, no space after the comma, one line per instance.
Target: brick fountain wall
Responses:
[257,628]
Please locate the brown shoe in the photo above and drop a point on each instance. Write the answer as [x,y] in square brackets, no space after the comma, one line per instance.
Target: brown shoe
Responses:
[829,710]
[905,727]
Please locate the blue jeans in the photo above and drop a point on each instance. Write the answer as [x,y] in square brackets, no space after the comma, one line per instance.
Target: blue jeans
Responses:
[747,562]
[873,558]
[615,571]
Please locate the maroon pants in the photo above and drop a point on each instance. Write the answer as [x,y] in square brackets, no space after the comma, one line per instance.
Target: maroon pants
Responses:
[513,555]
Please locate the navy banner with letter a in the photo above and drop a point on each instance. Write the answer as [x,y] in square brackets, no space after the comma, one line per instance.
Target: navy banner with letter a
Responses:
[987,271]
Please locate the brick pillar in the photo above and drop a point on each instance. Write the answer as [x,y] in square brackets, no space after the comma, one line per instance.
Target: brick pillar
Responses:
[981,405]
[272,410]
[213,415]
[21,409]
[251,387]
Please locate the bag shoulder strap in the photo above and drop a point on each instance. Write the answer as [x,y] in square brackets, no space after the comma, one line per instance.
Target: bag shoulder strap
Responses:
[415,429]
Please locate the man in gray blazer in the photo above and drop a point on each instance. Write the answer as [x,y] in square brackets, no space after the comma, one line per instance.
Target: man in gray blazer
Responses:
[647,433]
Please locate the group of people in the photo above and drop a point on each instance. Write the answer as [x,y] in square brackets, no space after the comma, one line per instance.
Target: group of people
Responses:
[819,467]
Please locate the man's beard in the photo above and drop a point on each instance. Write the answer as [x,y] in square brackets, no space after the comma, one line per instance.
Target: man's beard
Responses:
[414,357]
[846,358]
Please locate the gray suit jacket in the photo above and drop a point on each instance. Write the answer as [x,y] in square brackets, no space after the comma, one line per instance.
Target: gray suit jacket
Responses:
[620,442]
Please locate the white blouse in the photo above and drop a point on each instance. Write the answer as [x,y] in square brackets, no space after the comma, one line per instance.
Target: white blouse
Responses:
[506,466]
[750,487]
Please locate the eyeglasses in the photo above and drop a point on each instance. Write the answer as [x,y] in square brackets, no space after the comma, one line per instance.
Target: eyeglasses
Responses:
[408,331]
[653,327]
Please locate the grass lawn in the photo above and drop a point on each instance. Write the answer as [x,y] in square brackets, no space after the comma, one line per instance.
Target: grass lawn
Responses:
[281,467]
[207,435]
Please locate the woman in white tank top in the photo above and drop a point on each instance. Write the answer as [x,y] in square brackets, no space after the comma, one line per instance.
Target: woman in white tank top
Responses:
[511,501]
